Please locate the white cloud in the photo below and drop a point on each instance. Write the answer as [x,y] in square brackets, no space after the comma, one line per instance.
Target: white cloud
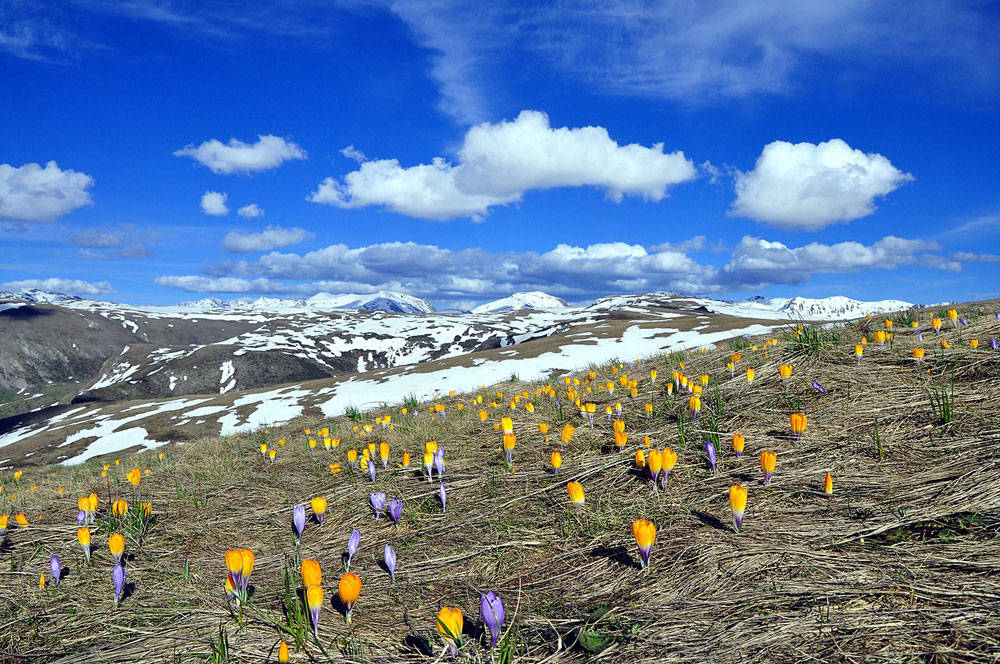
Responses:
[427,191]
[96,238]
[251,211]
[272,237]
[239,157]
[127,242]
[57,285]
[804,186]
[354,154]
[576,273]
[214,203]
[757,263]
[968,257]
[427,270]
[499,162]
[700,53]
[34,193]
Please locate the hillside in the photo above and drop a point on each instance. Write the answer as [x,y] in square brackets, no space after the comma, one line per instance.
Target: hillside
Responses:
[899,563]
[149,396]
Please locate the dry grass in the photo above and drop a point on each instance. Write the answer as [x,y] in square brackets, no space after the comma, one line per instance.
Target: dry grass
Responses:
[900,564]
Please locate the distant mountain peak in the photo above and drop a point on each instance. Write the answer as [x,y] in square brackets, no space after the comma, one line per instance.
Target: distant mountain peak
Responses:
[38,296]
[522,300]
[381,301]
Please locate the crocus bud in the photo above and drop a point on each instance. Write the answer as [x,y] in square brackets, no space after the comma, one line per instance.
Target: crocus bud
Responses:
[767,461]
[377,501]
[494,614]
[312,573]
[349,590]
[118,579]
[389,556]
[710,451]
[798,423]
[314,598]
[55,565]
[116,543]
[318,505]
[83,535]
[645,533]
[352,545]
[739,441]
[738,504]
[298,521]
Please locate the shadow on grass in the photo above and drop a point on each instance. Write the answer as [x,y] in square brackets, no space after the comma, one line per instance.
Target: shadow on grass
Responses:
[710,520]
[618,554]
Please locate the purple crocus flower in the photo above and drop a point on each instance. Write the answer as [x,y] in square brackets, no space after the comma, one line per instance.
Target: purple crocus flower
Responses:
[493,613]
[395,509]
[298,521]
[920,336]
[444,497]
[439,462]
[81,518]
[390,561]
[378,503]
[996,314]
[994,344]
[961,319]
[118,577]
[710,451]
[56,566]
[819,388]
[371,470]
[352,546]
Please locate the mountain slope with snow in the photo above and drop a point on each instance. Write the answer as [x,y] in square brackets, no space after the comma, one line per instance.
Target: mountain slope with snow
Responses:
[521,301]
[390,301]
[833,308]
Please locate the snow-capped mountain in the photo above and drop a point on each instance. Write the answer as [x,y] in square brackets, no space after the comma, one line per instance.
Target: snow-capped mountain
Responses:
[838,307]
[390,301]
[520,301]
[37,296]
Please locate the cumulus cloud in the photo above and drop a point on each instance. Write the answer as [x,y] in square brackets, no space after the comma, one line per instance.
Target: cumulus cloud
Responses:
[576,273]
[251,211]
[431,271]
[499,162]
[214,203]
[272,237]
[35,193]
[238,157]
[757,263]
[804,186]
[57,285]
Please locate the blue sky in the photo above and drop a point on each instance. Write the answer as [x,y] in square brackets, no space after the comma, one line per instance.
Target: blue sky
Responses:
[722,148]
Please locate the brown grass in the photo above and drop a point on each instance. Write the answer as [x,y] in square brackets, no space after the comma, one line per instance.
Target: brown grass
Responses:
[899,564]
